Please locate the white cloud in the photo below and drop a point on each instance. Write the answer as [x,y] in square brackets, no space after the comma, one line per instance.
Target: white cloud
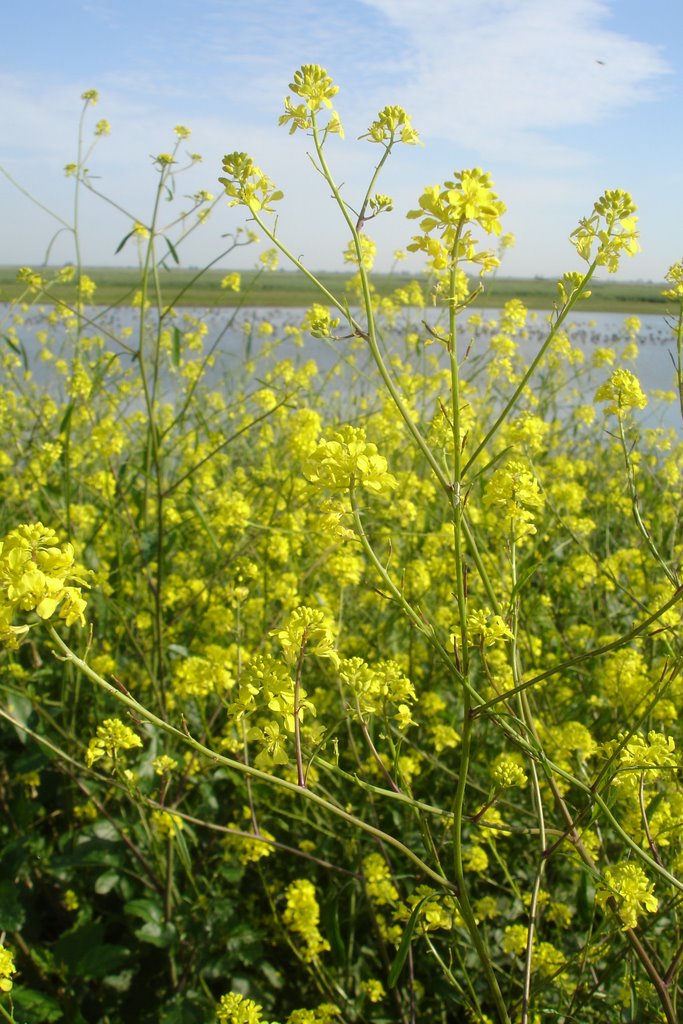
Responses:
[504,77]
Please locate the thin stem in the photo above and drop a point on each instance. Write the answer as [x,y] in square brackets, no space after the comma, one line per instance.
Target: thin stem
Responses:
[255,773]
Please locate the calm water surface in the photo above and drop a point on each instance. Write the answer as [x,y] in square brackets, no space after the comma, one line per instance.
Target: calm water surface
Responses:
[588,331]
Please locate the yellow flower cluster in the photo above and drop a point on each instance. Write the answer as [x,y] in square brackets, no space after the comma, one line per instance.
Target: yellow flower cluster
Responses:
[234,1008]
[514,490]
[319,322]
[247,184]
[306,629]
[378,884]
[483,630]
[622,391]
[347,458]
[508,772]
[7,969]
[629,885]
[35,575]
[165,824]
[640,755]
[674,276]
[374,688]
[609,231]
[315,87]
[433,913]
[392,124]
[446,209]
[302,915]
[111,737]
[249,851]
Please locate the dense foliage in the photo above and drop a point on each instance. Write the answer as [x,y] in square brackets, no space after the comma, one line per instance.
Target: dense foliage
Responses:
[349,695]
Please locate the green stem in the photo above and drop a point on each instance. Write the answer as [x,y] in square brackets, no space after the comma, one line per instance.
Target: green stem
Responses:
[562,316]
[291,787]
[458,869]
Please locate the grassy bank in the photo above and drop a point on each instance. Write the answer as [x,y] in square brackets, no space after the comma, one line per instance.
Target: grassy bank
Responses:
[117,286]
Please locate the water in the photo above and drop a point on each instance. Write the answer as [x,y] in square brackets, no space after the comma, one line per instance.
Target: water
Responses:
[588,331]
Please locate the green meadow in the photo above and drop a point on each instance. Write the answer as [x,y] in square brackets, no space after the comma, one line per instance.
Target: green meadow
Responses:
[287,288]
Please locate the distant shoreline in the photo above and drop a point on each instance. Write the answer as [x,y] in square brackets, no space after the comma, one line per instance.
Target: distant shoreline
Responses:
[285,288]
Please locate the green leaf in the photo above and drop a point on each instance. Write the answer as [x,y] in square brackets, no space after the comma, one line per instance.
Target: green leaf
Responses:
[332,930]
[31,1007]
[18,349]
[106,882]
[402,951]
[183,853]
[12,914]
[86,955]
[147,910]
[21,710]
[175,352]
[123,241]
[171,248]
[157,934]
[188,1008]
[66,419]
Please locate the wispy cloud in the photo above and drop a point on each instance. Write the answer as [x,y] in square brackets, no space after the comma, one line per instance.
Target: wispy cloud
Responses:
[534,91]
[504,77]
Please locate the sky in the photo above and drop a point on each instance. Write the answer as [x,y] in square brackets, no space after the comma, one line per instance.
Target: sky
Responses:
[558,101]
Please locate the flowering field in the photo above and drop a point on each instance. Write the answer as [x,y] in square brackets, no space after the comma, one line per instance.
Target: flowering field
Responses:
[349,696]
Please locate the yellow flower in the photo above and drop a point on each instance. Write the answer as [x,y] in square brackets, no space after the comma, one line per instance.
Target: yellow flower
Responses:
[378,884]
[71,900]
[302,915]
[165,824]
[609,231]
[510,489]
[235,1008]
[7,968]
[111,737]
[247,184]
[373,989]
[507,772]
[319,322]
[309,629]
[34,576]
[313,84]
[232,281]
[348,457]
[630,887]
[164,765]
[622,391]
[392,124]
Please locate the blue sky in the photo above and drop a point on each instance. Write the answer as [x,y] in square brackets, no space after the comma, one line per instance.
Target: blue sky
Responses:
[558,101]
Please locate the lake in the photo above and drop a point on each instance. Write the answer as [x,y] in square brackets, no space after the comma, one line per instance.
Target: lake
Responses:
[588,331]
